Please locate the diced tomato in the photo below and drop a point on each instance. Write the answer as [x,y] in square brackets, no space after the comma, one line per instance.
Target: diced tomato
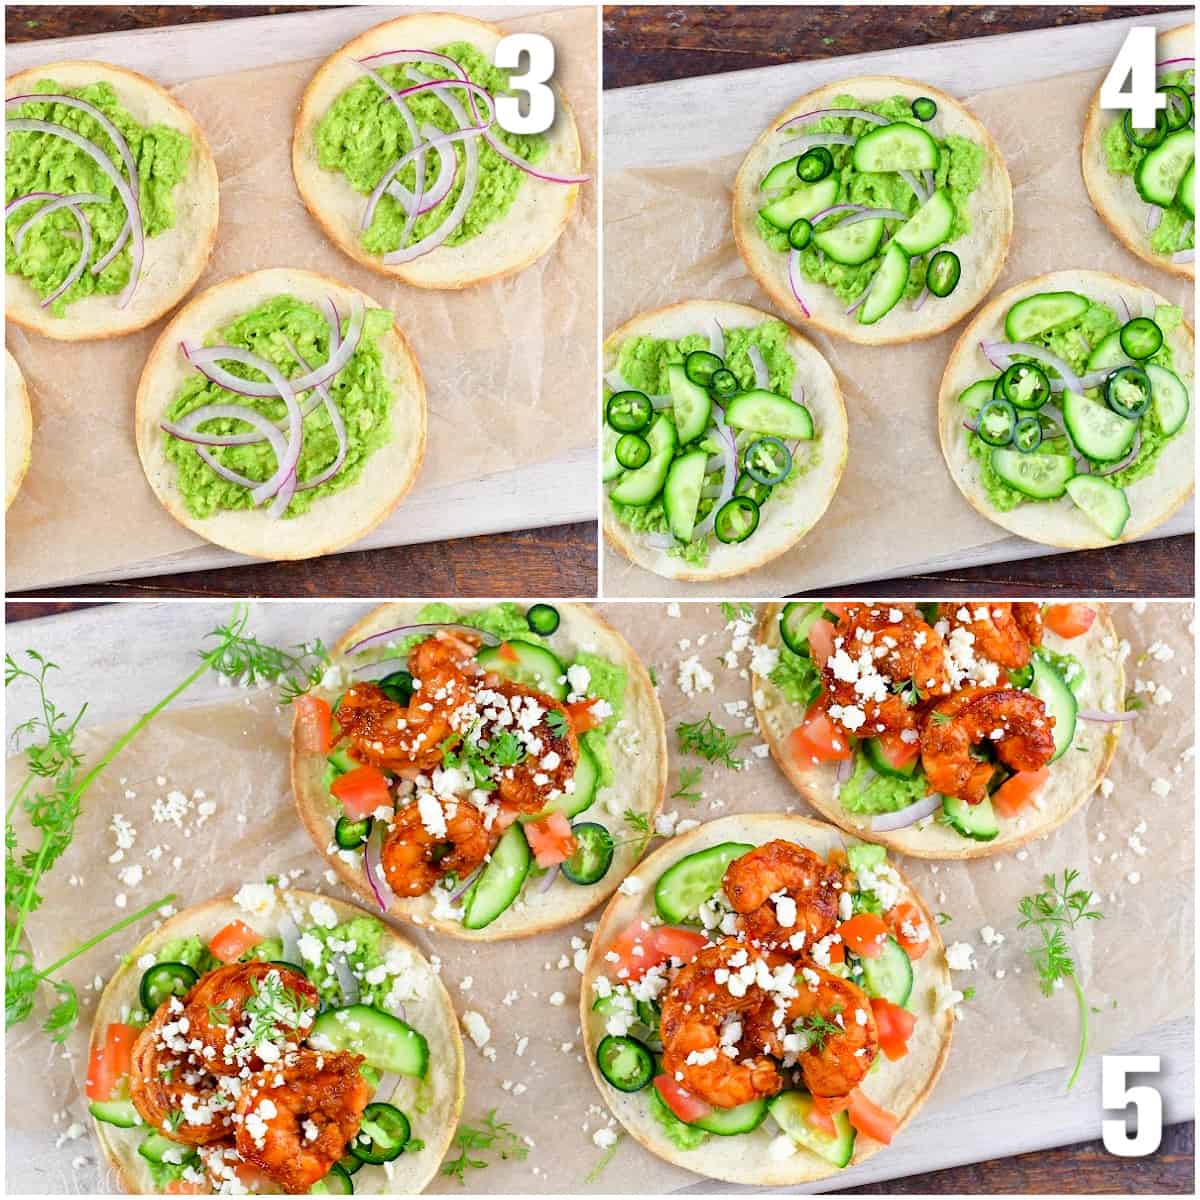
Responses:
[869,1119]
[1016,793]
[820,640]
[110,1060]
[551,840]
[683,944]
[904,921]
[897,751]
[233,941]
[505,816]
[581,716]
[1069,620]
[821,1121]
[313,724]
[895,1025]
[638,947]
[837,952]
[683,1104]
[362,791]
[818,740]
[865,934]
[181,1187]
[507,653]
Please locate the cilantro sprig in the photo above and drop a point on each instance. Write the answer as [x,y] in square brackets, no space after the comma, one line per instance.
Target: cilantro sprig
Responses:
[689,777]
[491,1134]
[1053,912]
[711,741]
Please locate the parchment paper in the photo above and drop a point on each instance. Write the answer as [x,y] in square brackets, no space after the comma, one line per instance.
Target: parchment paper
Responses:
[499,360]
[896,505]
[235,754]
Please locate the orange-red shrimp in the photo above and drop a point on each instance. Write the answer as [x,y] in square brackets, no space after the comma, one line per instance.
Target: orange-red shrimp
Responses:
[1005,633]
[414,860]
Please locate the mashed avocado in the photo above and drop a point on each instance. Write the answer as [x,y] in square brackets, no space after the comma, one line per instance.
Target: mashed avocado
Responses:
[685,1137]
[42,162]
[1074,343]
[866,793]
[363,134]
[192,952]
[1176,230]
[959,171]
[358,941]
[360,391]
[643,362]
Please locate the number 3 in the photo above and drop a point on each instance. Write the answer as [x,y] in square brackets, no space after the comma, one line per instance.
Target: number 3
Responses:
[539,103]
[1147,1105]
[1135,59]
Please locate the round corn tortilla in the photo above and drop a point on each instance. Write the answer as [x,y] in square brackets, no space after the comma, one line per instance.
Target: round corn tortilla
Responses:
[900,1087]
[432,1014]
[981,251]
[1073,778]
[333,521]
[639,762]
[174,258]
[18,429]
[1152,499]
[529,228]
[785,519]
[1114,196]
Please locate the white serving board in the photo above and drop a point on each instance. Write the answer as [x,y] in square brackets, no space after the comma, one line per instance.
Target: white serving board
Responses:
[701,119]
[92,648]
[559,491]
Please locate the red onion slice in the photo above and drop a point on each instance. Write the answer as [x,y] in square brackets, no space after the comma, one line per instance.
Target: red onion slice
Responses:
[904,817]
[508,156]
[793,275]
[134,214]
[85,238]
[658,541]
[373,867]
[762,377]
[917,189]
[728,478]
[547,880]
[860,299]
[916,305]
[797,389]
[443,182]
[466,885]
[716,338]
[1104,718]
[836,208]
[289,934]
[54,205]
[335,419]
[427,628]
[809,140]
[1000,354]
[1134,451]
[844,770]
[117,139]
[927,176]
[29,197]
[1154,216]
[1184,256]
[1171,62]
[185,430]
[874,214]
[859,114]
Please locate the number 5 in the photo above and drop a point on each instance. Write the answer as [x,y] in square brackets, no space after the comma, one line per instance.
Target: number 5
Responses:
[1147,1104]
[1135,59]
[539,102]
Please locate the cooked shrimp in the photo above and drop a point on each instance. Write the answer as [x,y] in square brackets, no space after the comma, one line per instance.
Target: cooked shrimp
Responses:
[415,859]
[1005,633]
[223,1006]
[694,1009]
[832,1017]
[886,661]
[1015,722]
[411,737]
[173,1093]
[297,1118]
[756,883]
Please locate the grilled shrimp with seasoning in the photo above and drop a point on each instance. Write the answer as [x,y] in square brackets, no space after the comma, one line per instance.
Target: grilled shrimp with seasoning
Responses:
[415,860]
[754,883]
[1006,633]
[1015,722]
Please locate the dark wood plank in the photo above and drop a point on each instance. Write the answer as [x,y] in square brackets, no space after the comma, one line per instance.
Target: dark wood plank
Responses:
[33,22]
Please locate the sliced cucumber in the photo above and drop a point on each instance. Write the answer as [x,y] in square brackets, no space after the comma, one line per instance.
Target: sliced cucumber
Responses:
[1160,173]
[878,760]
[1170,398]
[529,665]
[806,201]
[886,287]
[1039,476]
[611,468]
[120,1113]
[896,147]
[889,974]
[976,821]
[1102,502]
[768,412]
[692,404]
[929,226]
[851,244]
[1047,310]
[1055,693]
[155,1148]
[571,804]
[341,761]
[795,622]
[385,1041]
[681,493]
[730,1121]
[1095,429]
[791,1111]
[1107,352]
[977,395]
[780,175]
[695,878]
[643,485]
[1187,191]
[501,880]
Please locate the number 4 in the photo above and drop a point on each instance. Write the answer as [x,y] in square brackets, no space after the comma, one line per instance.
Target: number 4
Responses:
[1135,61]
[539,104]
[1147,1104]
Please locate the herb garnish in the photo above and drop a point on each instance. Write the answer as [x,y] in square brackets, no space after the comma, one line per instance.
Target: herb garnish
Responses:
[490,1134]
[731,612]
[817,1030]
[688,778]
[640,823]
[709,740]
[556,722]
[603,1162]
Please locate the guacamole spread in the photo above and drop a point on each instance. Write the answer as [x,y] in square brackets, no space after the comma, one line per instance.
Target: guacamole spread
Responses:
[959,171]
[363,134]
[643,361]
[42,162]
[1175,230]
[360,390]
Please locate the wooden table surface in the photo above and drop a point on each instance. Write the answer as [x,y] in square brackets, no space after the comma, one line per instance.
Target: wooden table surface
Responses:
[651,43]
[556,561]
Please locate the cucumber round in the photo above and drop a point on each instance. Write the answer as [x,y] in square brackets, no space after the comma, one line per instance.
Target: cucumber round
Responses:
[781,175]
[806,201]
[611,469]
[1107,352]
[766,412]
[1039,476]
[1169,397]
[681,493]
[1047,310]
[529,665]
[728,1122]
[929,226]
[692,404]
[887,286]
[853,244]
[873,753]
[683,887]
[155,1147]
[1055,693]
[571,804]
[1187,191]
[977,395]
[795,622]
[791,1111]
[1159,175]
[640,487]
[975,821]
[1102,502]
[385,1041]
[896,147]
[889,974]
[1096,430]
[500,882]
[120,1113]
